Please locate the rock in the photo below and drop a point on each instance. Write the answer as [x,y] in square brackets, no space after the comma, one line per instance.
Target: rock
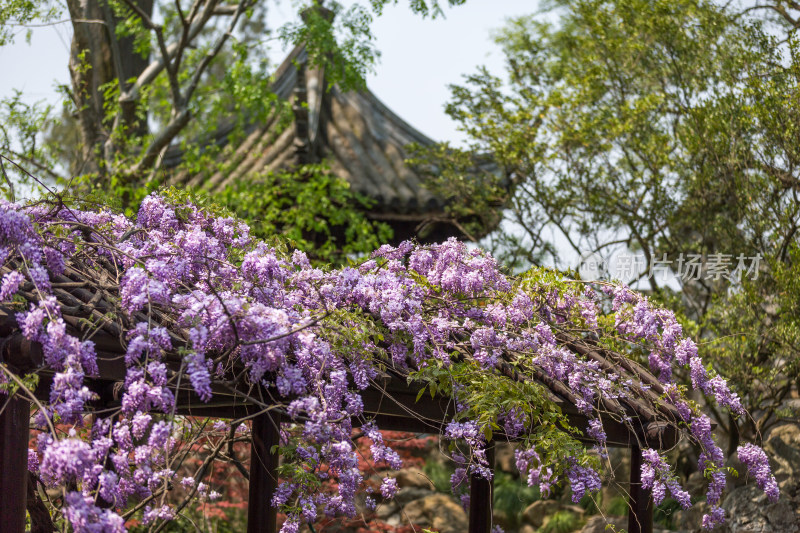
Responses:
[438,511]
[387,509]
[504,459]
[792,405]
[360,501]
[749,511]
[577,509]
[409,494]
[746,507]
[783,449]
[412,477]
[691,519]
[696,484]
[536,512]
[597,524]
[502,519]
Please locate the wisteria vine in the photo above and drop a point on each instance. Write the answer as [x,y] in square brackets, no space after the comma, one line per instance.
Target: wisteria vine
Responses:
[193,299]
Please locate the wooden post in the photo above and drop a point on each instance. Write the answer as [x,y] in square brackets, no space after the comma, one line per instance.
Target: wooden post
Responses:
[262,517]
[15,417]
[480,498]
[640,512]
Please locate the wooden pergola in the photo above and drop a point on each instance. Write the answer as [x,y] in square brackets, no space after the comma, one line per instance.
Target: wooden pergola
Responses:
[390,400]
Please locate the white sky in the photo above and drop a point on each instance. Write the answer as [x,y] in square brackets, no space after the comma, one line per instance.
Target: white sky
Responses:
[420,57]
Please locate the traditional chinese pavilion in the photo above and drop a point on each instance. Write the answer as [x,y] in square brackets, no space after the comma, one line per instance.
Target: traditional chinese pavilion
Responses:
[361,139]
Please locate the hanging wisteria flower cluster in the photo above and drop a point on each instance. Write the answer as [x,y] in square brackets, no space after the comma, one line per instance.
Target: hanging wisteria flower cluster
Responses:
[195,302]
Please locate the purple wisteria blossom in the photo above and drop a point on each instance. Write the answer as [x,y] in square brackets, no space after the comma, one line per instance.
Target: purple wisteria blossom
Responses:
[389,487]
[84,516]
[10,284]
[657,477]
[757,465]
[204,307]
[582,479]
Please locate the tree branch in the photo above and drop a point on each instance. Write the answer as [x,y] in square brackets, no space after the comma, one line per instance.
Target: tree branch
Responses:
[161,140]
[172,74]
[211,54]
[8,181]
[154,69]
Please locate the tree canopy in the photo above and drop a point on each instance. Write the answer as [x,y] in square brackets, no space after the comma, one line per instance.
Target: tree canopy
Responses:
[664,129]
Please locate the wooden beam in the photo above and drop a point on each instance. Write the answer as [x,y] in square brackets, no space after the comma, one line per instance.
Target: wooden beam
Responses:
[481,492]
[390,396]
[640,510]
[21,354]
[400,423]
[15,417]
[262,517]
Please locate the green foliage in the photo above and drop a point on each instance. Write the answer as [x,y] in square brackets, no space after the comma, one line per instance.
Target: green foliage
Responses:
[17,14]
[130,125]
[664,513]
[425,8]
[488,399]
[468,382]
[118,195]
[561,522]
[341,40]
[310,210]
[468,184]
[313,209]
[347,56]
[20,127]
[439,473]
[591,503]
[28,381]
[618,506]
[511,497]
